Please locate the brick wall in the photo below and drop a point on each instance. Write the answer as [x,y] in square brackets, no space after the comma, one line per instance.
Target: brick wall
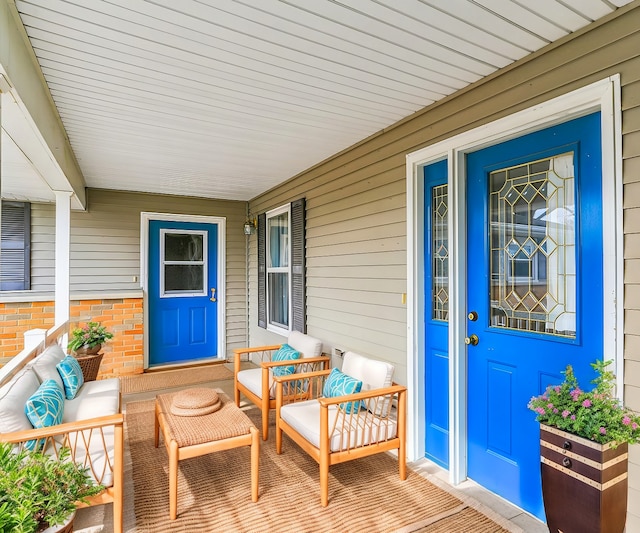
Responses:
[123,317]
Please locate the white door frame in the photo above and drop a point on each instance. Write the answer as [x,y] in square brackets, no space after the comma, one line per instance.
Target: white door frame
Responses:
[145,218]
[603,96]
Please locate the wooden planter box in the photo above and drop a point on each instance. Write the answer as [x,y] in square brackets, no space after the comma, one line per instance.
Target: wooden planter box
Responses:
[584,484]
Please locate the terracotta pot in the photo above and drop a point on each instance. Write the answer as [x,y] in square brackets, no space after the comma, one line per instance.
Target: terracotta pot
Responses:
[584,484]
[85,350]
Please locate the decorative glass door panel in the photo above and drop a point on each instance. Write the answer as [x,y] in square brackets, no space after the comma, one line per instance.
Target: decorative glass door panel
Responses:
[532,246]
[440,252]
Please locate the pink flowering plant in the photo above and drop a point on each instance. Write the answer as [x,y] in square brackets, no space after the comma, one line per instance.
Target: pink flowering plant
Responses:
[89,335]
[596,415]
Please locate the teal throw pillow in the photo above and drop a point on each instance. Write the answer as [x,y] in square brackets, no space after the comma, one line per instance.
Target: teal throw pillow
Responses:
[44,408]
[71,374]
[285,353]
[340,384]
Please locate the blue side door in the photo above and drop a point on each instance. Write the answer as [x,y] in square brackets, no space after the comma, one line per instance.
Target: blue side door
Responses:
[183,304]
[436,313]
[534,277]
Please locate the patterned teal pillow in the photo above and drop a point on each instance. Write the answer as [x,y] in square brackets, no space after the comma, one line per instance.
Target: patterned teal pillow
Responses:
[71,374]
[339,384]
[285,353]
[44,408]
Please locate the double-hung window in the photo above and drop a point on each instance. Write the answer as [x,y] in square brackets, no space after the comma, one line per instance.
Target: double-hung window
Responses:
[278,268]
[281,268]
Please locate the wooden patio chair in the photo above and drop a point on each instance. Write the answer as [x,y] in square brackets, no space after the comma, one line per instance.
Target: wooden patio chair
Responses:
[333,427]
[257,383]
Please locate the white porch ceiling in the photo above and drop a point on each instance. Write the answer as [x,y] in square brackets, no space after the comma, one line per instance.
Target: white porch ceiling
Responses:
[228,98]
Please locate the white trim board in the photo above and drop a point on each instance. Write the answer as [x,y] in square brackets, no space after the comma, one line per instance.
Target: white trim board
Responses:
[601,96]
[221,292]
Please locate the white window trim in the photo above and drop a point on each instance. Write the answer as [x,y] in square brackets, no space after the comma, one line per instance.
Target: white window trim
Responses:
[603,96]
[268,215]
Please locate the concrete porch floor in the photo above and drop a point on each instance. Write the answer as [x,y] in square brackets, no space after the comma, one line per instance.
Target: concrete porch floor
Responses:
[518,520]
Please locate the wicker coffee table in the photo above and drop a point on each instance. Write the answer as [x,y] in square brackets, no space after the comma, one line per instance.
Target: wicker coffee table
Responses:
[192,436]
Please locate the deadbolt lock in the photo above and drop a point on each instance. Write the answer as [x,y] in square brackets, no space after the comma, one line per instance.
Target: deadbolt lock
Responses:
[473,316]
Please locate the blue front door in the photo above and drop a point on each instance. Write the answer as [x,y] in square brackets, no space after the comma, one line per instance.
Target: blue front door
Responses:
[436,313]
[534,278]
[182,284]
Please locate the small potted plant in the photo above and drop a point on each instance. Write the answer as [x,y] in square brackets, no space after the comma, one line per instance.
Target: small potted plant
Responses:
[85,344]
[39,491]
[584,439]
[89,339]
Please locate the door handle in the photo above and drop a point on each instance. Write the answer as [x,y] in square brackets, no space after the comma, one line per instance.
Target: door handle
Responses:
[472,340]
[213,295]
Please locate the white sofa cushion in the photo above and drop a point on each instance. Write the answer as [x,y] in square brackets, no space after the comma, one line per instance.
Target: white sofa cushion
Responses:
[304,418]
[13,397]
[45,364]
[95,398]
[97,461]
[306,345]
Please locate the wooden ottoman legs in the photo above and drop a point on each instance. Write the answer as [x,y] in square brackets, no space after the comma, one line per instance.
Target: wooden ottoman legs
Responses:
[173,451]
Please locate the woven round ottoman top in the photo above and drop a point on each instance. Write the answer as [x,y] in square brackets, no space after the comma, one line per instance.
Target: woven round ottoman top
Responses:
[195,402]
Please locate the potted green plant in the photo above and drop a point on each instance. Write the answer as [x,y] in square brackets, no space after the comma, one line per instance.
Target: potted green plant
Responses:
[89,338]
[85,344]
[39,491]
[584,439]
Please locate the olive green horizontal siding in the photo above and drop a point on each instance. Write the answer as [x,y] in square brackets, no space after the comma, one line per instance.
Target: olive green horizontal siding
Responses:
[105,247]
[356,218]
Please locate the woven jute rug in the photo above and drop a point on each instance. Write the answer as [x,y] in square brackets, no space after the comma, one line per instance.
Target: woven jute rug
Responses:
[214,492]
[173,378]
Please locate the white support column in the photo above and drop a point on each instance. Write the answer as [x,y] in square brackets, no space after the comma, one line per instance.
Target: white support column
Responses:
[63,236]
[4,87]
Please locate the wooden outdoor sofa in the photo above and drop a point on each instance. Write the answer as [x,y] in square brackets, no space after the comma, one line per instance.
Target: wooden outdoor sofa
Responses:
[92,423]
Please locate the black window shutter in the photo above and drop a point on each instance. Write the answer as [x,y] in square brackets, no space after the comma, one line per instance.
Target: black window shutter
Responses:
[15,246]
[262,271]
[298,274]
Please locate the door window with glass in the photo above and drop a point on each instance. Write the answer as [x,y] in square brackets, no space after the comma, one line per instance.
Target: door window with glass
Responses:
[278,269]
[183,269]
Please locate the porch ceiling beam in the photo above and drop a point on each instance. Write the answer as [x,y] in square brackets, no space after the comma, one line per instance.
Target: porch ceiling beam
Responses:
[35,127]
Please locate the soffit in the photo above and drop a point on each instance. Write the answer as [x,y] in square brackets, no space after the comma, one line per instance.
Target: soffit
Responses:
[227,99]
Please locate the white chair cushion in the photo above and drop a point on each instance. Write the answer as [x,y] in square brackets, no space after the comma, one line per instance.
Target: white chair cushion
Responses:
[45,364]
[304,418]
[373,373]
[252,380]
[13,397]
[306,345]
